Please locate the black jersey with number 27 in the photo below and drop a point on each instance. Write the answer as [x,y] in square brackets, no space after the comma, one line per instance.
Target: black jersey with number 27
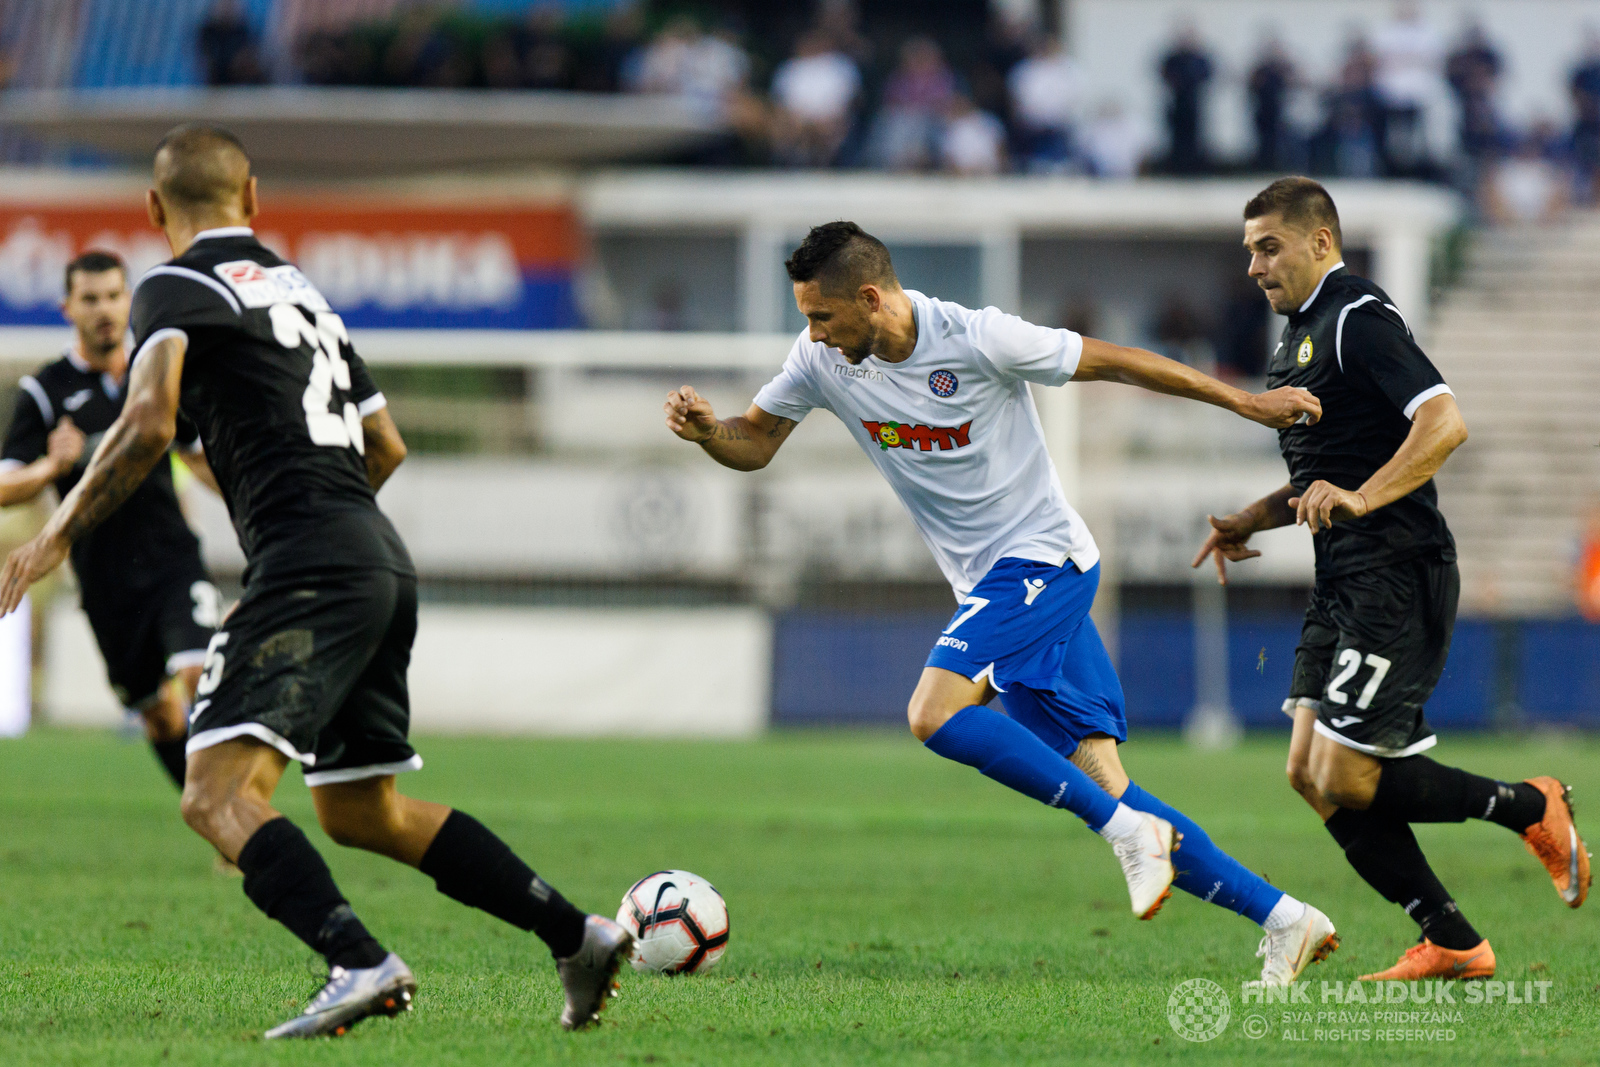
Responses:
[278,394]
[1351,347]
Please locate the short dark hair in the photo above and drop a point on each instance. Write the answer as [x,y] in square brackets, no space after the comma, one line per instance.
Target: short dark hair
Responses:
[93,261]
[1303,203]
[203,165]
[841,257]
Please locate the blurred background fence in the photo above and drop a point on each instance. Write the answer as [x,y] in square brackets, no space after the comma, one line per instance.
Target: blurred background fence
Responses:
[538,218]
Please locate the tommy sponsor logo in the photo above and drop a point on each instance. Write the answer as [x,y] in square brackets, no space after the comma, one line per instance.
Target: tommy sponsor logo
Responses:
[951,642]
[1035,586]
[901,435]
[867,374]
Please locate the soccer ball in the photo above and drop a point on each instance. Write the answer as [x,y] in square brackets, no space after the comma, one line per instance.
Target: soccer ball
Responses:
[679,922]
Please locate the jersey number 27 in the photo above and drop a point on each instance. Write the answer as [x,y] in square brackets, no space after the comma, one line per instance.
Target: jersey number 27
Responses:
[336,429]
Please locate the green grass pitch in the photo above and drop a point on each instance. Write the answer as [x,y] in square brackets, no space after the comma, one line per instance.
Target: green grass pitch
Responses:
[887,907]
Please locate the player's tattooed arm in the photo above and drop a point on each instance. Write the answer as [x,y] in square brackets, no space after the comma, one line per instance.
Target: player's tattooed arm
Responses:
[385,449]
[745,442]
[133,445]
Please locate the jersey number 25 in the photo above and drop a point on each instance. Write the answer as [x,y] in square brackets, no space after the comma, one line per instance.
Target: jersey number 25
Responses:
[336,429]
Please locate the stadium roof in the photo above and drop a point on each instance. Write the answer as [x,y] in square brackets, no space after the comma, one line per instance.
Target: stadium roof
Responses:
[370,132]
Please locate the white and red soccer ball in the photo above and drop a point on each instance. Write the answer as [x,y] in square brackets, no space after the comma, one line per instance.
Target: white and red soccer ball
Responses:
[679,923]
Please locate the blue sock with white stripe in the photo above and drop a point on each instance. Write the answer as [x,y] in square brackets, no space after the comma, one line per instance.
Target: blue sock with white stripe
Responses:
[1009,753]
[1204,870]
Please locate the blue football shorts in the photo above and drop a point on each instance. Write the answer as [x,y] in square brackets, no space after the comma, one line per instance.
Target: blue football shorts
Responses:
[1025,629]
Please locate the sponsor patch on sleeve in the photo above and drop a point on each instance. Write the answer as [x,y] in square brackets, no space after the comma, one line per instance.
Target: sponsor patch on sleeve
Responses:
[258,287]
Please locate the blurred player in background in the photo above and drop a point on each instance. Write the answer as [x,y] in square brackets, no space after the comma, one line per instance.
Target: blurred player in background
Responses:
[312,665]
[938,397]
[145,590]
[1377,632]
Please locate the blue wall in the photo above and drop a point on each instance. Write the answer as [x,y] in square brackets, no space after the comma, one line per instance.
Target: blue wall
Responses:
[857,668]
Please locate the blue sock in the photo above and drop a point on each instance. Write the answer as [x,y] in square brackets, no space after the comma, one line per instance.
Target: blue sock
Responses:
[1009,753]
[1204,870]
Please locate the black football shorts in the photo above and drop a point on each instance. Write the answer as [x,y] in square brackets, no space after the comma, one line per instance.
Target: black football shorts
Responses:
[316,668]
[146,635]
[1373,647]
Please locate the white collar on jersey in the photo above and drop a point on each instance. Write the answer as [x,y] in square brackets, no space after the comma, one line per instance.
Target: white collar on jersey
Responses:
[225,231]
[1312,299]
[109,384]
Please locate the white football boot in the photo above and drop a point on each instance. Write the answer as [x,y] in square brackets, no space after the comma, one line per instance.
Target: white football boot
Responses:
[1291,949]
[351,996]
[1146,857]
[588,976]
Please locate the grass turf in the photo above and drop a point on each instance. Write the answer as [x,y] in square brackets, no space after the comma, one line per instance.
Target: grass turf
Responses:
[888,907]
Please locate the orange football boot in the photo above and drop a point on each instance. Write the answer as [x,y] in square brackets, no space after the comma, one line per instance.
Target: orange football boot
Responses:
[1554,842]
[1427,960]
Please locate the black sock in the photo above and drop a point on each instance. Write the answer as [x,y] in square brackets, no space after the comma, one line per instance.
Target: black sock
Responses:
[470,864]
[1448,928]
[170,753]
[1416,789]
[286,878]
[1386,854]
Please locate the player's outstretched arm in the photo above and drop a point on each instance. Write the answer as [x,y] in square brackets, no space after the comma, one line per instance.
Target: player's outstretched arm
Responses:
[1105,362]
[386,450]
[133,445]
[64,446]
[1437,429]
[745,442]
[1230,535]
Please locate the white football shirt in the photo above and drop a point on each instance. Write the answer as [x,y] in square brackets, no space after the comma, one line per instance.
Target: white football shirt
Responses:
[955,431]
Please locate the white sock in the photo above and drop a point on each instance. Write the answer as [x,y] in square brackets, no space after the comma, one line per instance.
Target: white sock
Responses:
[1286,911]
[1124,822]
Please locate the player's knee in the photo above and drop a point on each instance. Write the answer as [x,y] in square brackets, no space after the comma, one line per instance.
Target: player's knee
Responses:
[925,718]
[201,808]
[1299,776]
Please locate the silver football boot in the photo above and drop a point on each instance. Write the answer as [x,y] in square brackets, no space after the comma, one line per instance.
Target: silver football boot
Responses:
[351,996]
[588,976]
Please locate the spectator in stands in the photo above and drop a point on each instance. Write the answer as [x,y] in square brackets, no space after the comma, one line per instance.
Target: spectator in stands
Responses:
[973,141]
[905,135]
[229,50]
[1410,56]
[1271,81]
[1186,69]
[534,55]
[599,64]
[1349,144]
[1005,45]
[423,53]
[1240,337]
[1585,85]
[840,22]
[1533,185]
[814,95]
[1181,333]
[1473,71]
[1112,145]
[1045,89]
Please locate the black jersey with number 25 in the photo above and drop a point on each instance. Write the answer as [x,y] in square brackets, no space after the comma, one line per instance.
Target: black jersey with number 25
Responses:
[1350,346]
[278,394]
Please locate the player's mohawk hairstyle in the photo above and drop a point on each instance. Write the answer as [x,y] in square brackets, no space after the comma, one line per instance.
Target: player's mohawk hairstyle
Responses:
[841,257]
[1303,203]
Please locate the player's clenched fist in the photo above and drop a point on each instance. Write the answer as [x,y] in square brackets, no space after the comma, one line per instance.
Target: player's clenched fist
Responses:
[64,445]
[1283,407]
[689,415]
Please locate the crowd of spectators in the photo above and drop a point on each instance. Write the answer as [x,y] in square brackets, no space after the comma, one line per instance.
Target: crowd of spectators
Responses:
[831,96]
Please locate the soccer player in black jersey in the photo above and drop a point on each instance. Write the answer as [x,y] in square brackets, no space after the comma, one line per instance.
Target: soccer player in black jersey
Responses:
[1378,629]
[149,601]
[311,665]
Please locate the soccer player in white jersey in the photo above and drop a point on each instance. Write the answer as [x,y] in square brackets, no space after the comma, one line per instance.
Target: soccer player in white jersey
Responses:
[937,395]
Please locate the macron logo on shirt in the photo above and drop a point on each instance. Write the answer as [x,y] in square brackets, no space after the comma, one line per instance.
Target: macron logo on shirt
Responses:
[889,435]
